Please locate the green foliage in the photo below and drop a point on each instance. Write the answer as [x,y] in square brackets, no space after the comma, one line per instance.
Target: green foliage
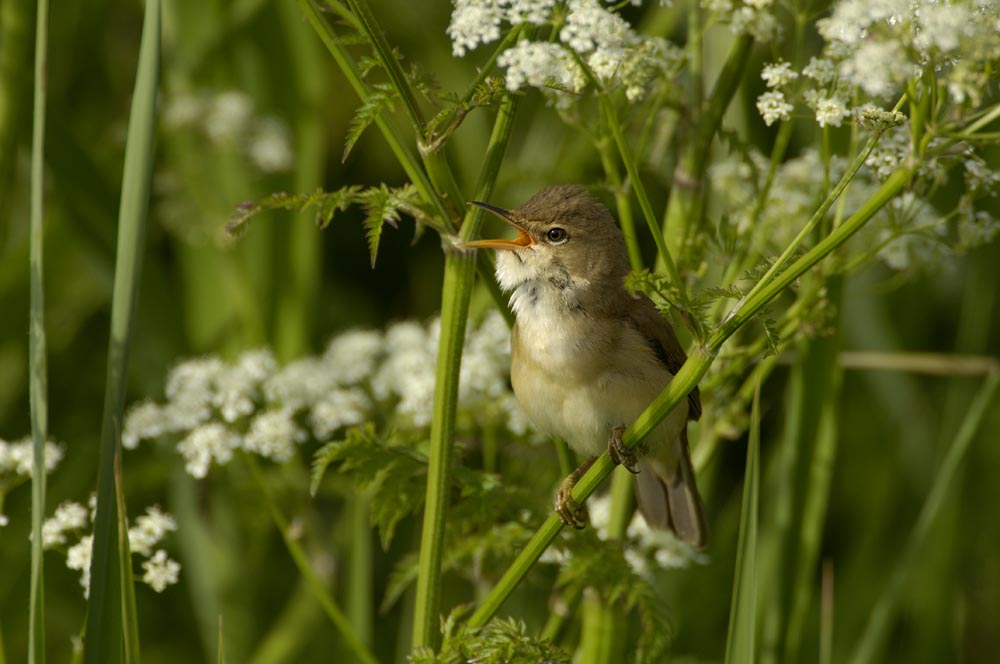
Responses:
[602,567]
[501,641]
[390,471]
[380,100]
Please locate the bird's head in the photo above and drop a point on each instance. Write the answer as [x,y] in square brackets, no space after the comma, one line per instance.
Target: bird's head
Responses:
[565,236]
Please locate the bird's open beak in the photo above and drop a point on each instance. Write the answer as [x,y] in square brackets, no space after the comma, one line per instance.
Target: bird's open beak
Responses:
[522,240]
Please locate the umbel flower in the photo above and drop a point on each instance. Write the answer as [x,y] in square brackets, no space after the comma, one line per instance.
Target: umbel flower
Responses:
[215,409]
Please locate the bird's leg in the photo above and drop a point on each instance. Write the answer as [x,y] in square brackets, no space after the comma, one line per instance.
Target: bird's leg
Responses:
[571,512]
[620,454]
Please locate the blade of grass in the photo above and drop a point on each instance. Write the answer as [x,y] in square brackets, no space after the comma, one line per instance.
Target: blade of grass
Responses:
[103,640]
[880,619]
[741,640]
[130,614]
[38,370]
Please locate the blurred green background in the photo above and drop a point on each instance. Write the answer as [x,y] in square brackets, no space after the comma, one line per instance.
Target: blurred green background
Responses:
[288,285]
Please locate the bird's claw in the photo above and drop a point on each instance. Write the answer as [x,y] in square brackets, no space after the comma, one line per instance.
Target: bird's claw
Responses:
[621,455]
[571,512]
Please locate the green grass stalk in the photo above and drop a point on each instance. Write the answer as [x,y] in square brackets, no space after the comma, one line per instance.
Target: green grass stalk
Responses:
[360,592]
[741,638]
[103,637]
[38,374]
[130,613]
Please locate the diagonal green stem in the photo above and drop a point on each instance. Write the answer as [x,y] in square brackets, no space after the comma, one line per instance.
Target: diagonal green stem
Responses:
[316,585]
[38,371]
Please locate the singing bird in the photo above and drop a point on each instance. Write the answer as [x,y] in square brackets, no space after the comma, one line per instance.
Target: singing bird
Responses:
[587,356]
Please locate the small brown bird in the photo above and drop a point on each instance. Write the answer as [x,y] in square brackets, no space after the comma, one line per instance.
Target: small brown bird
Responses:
[587,357]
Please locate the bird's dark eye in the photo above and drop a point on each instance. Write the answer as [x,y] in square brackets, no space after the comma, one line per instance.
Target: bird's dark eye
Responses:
[556,235]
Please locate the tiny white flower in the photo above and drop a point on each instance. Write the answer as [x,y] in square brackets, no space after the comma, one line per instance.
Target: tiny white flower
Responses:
[820,70]
[352,355]
[18,458]
[160,571]
[236,387]
[270,146]
[144,421]
[273,434]
[228,116]
[149,529]
[539,65]
[773,107]
[209,442]
[777,74]
[68,516]
[338,409]
[474,22]
[830,111]
[78,557]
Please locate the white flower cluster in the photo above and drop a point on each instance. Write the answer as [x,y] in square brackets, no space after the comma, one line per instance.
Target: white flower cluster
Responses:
[229,118]
[878,45]
[611,49]
[149,529]
[216,409]
[16,463]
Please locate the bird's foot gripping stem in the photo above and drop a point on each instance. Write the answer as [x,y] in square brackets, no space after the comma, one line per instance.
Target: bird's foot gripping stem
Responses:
[571,512]
[621,455]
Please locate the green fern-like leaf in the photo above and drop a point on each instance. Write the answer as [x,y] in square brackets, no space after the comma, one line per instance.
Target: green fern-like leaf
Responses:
[326,203]
[383,205]
[381,99]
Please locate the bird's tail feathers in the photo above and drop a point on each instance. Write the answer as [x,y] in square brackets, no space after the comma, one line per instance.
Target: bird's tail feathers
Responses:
[672,502]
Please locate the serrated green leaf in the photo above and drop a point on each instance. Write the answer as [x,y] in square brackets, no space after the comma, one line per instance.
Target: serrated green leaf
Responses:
[381,99]
[383,205]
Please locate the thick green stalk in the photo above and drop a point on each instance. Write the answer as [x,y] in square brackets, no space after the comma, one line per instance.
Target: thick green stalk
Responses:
[686,379]
[880,618]
[360,590]
[455,295]
[301,559]
[103,640]
[38,377]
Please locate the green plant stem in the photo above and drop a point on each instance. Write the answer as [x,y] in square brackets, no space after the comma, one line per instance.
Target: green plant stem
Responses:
[623,204]
[632,168]
[455,295]
[38,374]
[686,379]
[301,560]
[880,618]
[741,638]
[819,215]
[684,209]
[103,640]
[360,592]
[407,160]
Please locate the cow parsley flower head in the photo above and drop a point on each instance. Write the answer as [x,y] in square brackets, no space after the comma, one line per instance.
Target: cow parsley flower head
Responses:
[160,571]
[149,529]
[208,443]
[69,516]
[773,107]
[778,74]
